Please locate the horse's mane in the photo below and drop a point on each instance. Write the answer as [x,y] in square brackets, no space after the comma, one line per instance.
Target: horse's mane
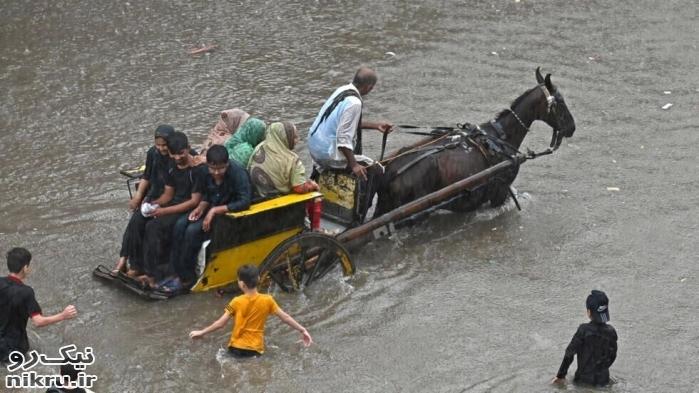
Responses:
[516,102]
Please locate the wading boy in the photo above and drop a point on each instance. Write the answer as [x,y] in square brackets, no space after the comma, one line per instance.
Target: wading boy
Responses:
[250,311]
[18,304]
[594,344]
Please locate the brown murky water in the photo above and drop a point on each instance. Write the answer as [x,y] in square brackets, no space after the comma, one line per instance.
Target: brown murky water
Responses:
[484,302]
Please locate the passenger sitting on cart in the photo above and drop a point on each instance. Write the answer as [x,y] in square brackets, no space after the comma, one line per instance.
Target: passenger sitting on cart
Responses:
[183,190]
[150,187]
[228,124]
[335,139]
[274,168]
[241,145]
[226,189]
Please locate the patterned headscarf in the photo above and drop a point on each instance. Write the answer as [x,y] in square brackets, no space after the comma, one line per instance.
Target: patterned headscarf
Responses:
[274,168]
[227,125]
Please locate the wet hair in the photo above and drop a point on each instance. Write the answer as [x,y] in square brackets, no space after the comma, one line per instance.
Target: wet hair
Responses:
[249,274]
[164,131]
[364,76]
[216,155]
[68,370]
[177,142]
[17,258]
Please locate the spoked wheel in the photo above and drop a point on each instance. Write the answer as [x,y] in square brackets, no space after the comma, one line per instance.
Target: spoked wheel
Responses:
[302,259]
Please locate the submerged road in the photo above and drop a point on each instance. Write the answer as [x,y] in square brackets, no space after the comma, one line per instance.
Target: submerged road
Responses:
[482,302]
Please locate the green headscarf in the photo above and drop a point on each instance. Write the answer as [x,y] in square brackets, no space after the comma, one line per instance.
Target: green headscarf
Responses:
[274,167]
[241,145]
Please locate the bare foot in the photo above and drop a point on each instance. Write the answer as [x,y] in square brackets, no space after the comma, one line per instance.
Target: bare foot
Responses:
[120,266]
[146,280]
[133,273]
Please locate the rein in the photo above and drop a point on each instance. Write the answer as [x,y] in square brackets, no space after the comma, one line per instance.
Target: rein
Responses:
[498,144]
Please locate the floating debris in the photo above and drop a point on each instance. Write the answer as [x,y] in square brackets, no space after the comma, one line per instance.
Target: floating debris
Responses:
[667,92]
[203,49]
[667,106]
[612,188]
[392,54]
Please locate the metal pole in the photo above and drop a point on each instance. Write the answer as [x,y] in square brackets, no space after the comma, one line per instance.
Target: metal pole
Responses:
[423,203]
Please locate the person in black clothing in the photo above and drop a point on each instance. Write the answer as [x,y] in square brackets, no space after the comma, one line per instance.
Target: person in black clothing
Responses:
[226,189]
[68,372]
[183,191]
[18,304]
[595,344]
[150,187]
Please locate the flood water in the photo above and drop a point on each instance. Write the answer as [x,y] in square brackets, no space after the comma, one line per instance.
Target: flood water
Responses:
[480,302]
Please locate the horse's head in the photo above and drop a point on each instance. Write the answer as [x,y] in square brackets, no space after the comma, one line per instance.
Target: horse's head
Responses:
[555,111]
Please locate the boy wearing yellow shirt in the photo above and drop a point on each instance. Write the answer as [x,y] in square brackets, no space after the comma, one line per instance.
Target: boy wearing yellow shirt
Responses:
[250,311]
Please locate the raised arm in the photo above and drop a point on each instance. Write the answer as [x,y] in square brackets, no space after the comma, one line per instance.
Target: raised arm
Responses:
[39,320]
[381,126]
[287,319]
[216,325]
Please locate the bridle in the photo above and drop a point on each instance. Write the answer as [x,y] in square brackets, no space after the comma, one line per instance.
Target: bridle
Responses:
[551,108]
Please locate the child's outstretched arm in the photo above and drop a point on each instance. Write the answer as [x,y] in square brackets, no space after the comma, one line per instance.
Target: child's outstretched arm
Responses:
[287,319]
[218,324]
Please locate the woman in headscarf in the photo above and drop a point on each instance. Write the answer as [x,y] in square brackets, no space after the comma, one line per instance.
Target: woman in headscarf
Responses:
[243,143]
[227,125]
[274,167]
[230,122]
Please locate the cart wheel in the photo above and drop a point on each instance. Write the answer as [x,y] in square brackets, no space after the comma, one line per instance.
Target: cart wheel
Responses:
[300,260]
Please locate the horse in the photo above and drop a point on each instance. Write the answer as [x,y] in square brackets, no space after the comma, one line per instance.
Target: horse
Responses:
[445,158]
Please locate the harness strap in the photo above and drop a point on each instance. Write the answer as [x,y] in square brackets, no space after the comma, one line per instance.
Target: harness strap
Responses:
[336,101]
[427,153]
[498,128]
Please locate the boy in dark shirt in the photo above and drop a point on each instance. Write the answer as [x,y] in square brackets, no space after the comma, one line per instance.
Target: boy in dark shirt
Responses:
[18,304]
[226,189]
[150,187]
[594,344]
[183,190]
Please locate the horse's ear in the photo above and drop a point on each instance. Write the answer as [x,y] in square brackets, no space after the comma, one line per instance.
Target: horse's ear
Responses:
[539,78]
[548,83]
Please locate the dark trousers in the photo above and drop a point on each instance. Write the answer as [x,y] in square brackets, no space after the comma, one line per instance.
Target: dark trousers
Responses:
[187,238]
[242,353]
[132,241]
[157,243]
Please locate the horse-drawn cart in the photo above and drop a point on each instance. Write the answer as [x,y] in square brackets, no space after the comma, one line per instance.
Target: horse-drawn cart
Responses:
[465,166]
[275,236]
